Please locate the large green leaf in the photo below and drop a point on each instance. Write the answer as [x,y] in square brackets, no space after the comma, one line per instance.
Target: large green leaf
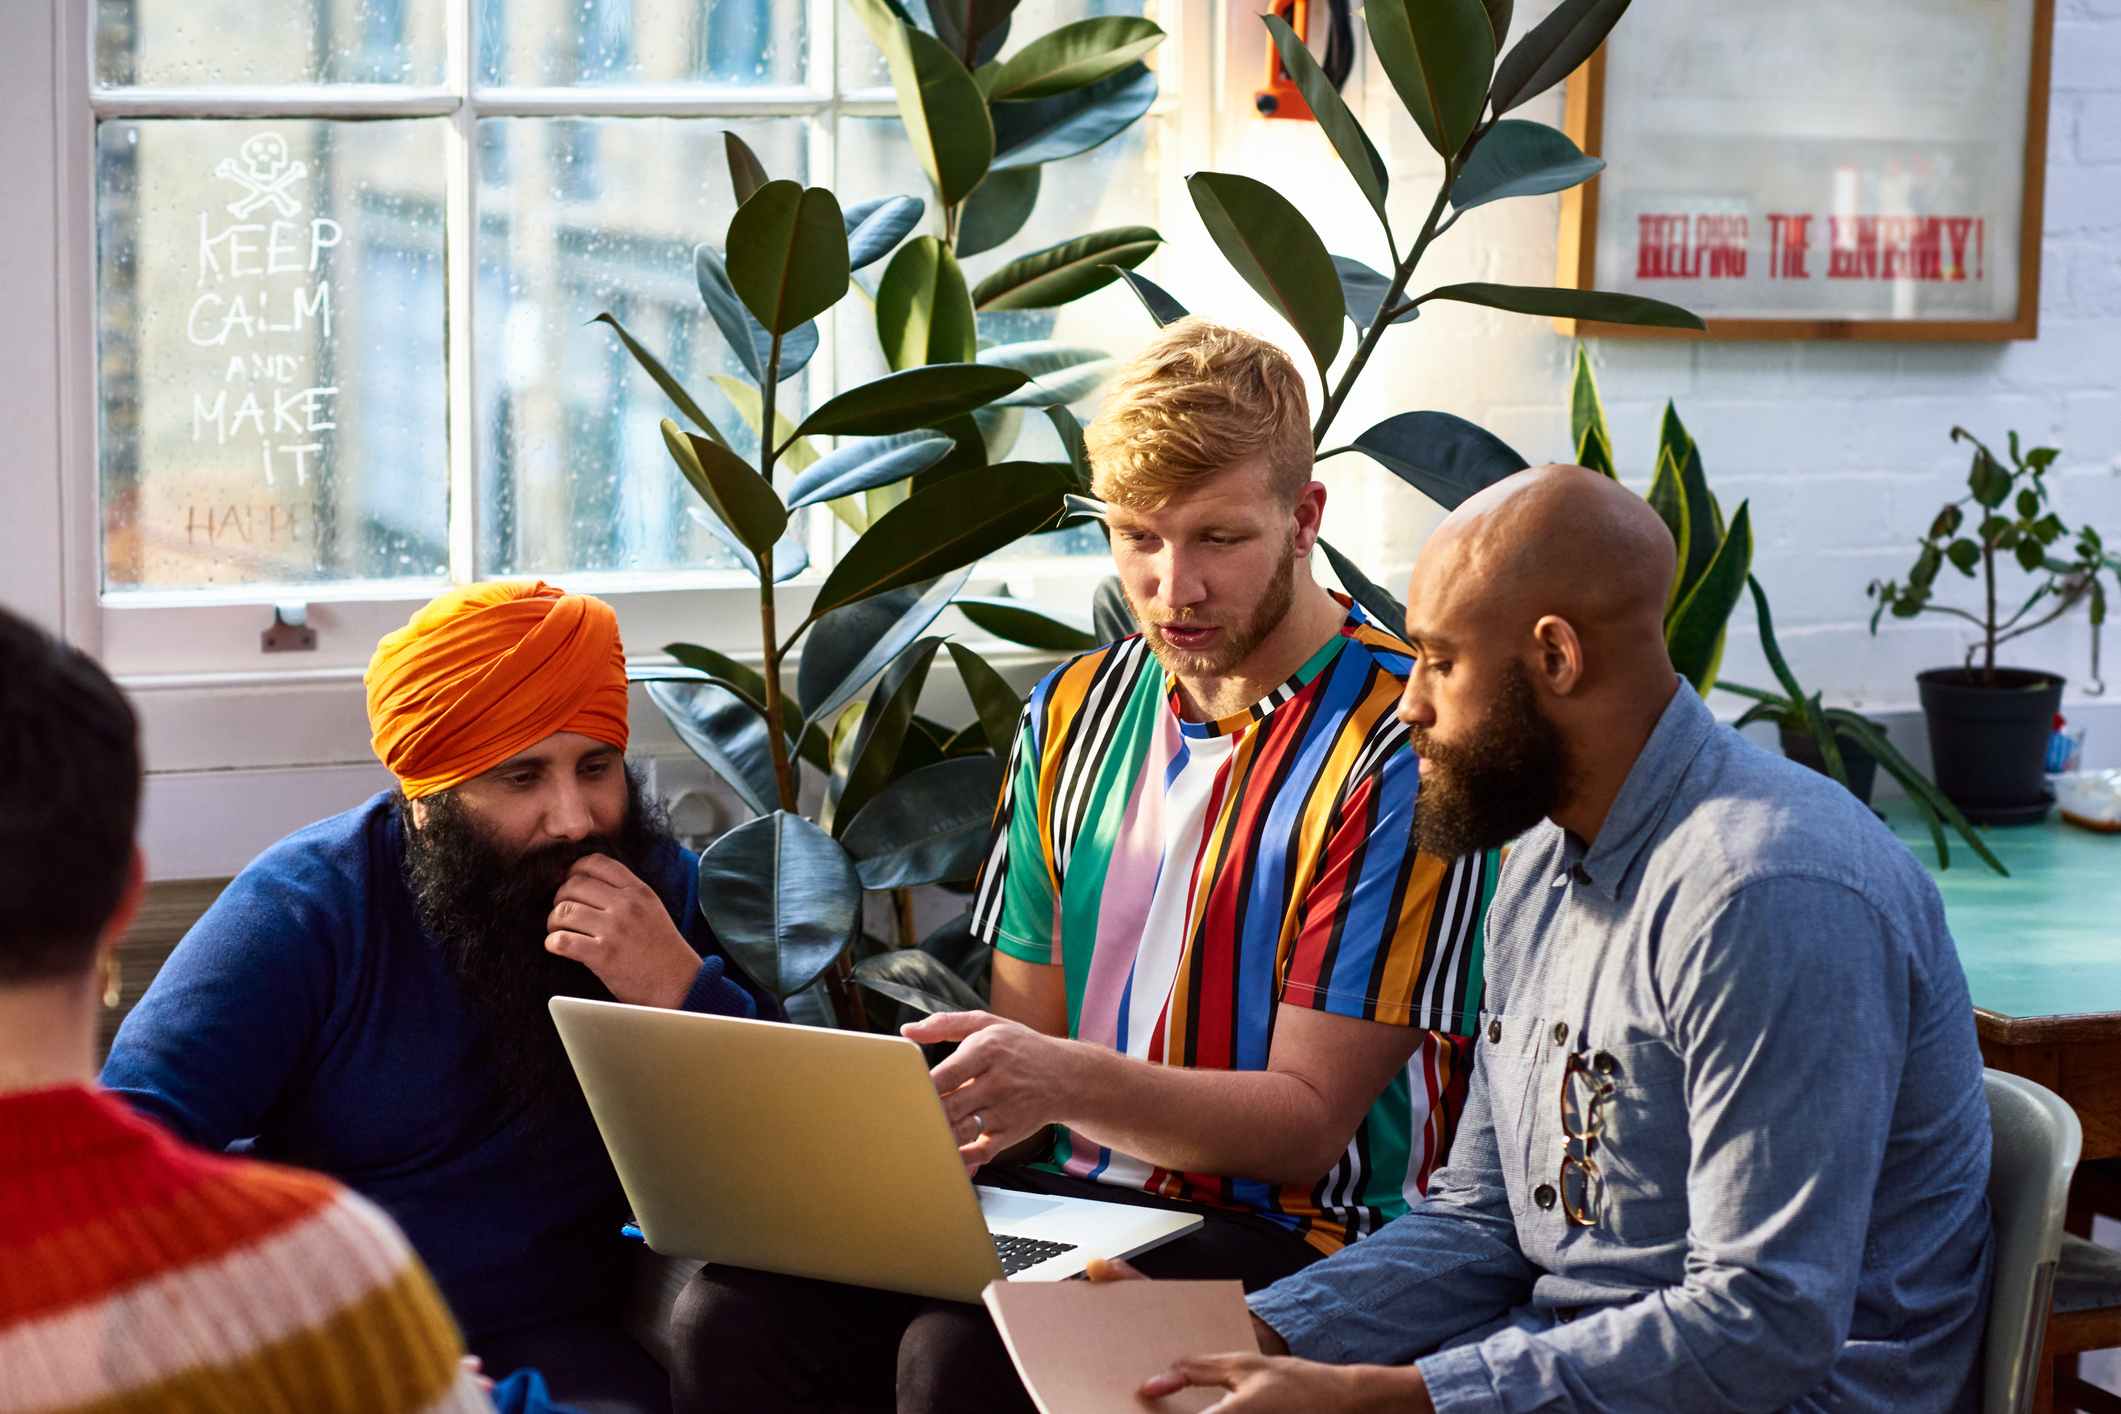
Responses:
[783,900]
[750,407]
[746,173]
[848,647]
[970,29]
[927,826]
[859,466]
[996,210]
[874,227]
[1388,612]
[729,734]
[923,311]
[1048,129]
[885,724]
[788,254]
[1704,539]
[747,338]
[1446,458]
[790,556]
[1268,241]
[1438,55]
[944,112]
[997,705]
[1018,622]
[1067,271]
[1553,49]
[916,397]
[1356,151]
[1154,297]
[1667,497]
[1572,304]
[1364,290]
[1586,412]
[1070,433]
[916,979]
[1695,638]
[942,527]
[999,423]
[1072,57]
[1499,19]
[1517,158]
[672,389]
[726,482]
[1060,373]
[743,679]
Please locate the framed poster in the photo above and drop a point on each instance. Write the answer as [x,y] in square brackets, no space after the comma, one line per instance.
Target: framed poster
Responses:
[1816,170]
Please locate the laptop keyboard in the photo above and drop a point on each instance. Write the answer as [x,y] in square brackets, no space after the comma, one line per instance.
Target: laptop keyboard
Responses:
[1021,1253]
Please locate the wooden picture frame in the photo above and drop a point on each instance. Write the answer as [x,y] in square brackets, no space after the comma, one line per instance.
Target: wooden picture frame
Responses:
[1585,121]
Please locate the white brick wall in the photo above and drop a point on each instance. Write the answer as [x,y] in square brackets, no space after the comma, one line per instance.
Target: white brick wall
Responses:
[1843,449]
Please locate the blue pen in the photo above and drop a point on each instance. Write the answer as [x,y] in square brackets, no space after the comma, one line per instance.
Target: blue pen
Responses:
[633,1231]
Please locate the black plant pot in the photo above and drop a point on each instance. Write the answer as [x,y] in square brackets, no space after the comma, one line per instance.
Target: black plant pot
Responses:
[1988,743]
[1862,767]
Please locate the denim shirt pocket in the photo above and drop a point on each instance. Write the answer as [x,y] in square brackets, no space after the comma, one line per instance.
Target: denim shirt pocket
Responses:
[1510,1052]
[1644,1149]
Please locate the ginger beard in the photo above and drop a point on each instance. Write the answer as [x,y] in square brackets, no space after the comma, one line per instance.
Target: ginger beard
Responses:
[1238,639]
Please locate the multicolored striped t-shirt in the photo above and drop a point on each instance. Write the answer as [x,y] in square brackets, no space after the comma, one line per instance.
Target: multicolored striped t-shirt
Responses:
[1192,877]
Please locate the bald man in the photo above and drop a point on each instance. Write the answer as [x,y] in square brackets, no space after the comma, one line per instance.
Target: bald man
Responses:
[1726,1145]
[368,997]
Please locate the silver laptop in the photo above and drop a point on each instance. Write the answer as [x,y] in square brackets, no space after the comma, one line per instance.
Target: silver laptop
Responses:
[817,1153]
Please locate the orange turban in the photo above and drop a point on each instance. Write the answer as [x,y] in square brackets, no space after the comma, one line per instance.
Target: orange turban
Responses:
[485,672]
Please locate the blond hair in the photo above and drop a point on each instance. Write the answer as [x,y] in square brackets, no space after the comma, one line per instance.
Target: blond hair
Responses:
[1198,398]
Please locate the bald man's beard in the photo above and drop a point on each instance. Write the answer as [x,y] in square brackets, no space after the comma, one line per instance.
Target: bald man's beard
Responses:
[1240,639]
[487,906]
[1507,775]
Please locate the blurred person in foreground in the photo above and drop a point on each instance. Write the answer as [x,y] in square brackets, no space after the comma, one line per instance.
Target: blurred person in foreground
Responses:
[1727,1144]
[368,997]
[135,1272]
[1222,969]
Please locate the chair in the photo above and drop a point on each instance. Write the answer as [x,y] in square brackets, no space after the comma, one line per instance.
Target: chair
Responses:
[2037,1141]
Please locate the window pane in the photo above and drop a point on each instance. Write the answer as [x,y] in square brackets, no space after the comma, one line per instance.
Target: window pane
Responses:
[560,42]
[1113,185]
[271,389]
[579,217]
[200,43]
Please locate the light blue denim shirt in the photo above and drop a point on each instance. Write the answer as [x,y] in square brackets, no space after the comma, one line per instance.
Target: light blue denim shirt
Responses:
[1793,1143]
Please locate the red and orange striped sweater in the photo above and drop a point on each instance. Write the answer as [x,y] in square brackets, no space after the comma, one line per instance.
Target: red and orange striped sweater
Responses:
[136,1273]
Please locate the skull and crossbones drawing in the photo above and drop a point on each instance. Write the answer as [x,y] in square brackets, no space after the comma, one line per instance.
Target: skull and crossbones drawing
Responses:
[265,175]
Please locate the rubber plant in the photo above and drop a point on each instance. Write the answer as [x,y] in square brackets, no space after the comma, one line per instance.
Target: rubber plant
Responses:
[983,130]
[1443,60]
[904,801]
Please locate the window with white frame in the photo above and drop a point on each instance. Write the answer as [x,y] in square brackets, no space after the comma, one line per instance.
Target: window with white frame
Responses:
[346,253]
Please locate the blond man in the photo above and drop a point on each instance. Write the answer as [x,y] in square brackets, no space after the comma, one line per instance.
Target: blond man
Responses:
[1223,972]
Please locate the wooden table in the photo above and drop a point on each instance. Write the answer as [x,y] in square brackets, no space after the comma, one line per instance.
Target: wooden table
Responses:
[2042,952]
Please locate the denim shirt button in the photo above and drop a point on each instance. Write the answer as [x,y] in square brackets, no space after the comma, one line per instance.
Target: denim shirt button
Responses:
[1543,1195]
[1495,1032]
[1604,1063]
[1561,1033]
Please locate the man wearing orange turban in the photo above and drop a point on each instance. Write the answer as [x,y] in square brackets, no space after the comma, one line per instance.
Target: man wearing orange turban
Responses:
[368,998]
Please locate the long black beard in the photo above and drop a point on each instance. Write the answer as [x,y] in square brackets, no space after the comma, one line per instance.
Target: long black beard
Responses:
[1509,773]
[487,909]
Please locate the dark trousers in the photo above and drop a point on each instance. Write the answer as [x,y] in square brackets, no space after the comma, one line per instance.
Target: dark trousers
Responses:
[757,1341]
[594,1367]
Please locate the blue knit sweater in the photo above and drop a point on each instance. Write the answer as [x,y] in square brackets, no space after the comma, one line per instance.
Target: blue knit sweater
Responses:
[308,1018]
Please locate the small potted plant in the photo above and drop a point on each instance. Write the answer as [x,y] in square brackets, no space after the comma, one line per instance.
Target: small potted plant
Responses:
[1989,725]
[1846,745]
